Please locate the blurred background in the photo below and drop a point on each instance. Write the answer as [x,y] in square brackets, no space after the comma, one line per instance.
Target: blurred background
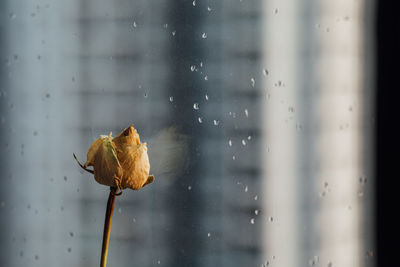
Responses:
[272,104]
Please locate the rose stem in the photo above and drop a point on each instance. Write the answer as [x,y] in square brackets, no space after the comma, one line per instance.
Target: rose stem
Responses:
[107,225]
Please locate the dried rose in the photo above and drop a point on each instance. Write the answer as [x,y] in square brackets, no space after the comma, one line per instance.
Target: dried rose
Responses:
[121,161]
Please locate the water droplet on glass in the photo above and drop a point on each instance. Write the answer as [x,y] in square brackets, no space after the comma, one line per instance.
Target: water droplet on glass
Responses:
[255,197]
[246,112]
[201,64]
[194,3]
[265,72]
[209,9]
[276,11]
[189,187]
[36,257]
[206,96]
[69,249]
[291,109]
[71,234]
[173,33]
[243,142]
[249,137]
[230,142]
[271,219]
[208,234]
[196,106]
[193,68]
[134,24]
[65,178]
[200,120]
[253,82]
[252,220]
[204,35]
[216,122]
[171,99]
[206,78]
[256,212]
[134,220]
[233,157]
[166,25]
[158,262]
[246,189]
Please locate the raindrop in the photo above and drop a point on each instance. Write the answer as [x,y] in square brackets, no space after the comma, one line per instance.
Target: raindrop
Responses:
[200,120]
[256,197]
[194,3]
[246,189]
[246,112]
[216,122]
[204,35]
[166,25]
[256,212]
[193,68]
[271,219]
[134,24]
[253,82]
[233,157]
[265,72]
[243,142]
[71,234]
[145,95]
[249,137]
[189,187]
[158,262]
[36,257]
[206,78]
[171,99]
[65,178]
[73,79]
[230,142]
[209,9]
[252,220]
[201,64]
[47,95]
[208,234]
[173,33]
[196,106]
[276,11]
[206,96]
[291,109]
[69,250]
[134,220]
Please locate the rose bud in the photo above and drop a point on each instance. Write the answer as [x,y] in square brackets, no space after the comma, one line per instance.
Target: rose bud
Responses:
[121,161]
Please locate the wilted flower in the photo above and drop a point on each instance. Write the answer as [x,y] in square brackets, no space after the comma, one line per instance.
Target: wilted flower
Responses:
[120,161]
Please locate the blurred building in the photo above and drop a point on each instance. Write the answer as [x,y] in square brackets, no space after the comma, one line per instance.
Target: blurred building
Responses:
[271,99]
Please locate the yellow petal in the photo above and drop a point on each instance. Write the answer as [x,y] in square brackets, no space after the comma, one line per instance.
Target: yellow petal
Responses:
[107,169]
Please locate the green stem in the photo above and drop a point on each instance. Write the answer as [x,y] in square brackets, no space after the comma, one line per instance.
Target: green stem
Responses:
[107,225]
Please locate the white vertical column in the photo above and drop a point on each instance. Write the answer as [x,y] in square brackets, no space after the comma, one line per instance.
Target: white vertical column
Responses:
[280,58]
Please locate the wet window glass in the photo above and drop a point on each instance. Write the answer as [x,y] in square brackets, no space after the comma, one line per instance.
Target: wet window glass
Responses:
[258,120]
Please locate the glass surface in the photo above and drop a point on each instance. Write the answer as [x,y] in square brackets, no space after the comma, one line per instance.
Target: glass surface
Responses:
[257,114]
